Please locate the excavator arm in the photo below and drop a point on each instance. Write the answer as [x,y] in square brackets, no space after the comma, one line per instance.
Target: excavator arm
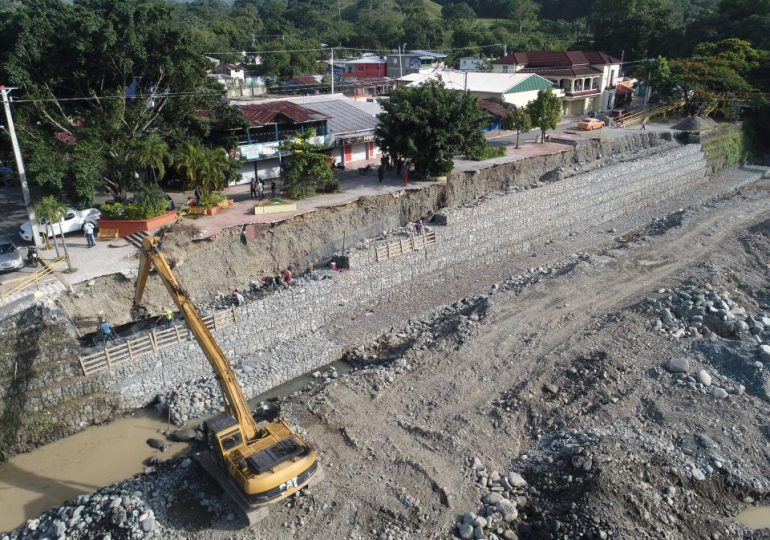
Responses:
[152,257]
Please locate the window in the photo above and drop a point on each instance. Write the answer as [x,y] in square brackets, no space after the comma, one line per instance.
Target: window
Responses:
[505,69]
[350,69]
[231,441]
[68,216]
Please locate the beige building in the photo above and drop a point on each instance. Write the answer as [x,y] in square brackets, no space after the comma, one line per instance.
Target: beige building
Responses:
[587,78]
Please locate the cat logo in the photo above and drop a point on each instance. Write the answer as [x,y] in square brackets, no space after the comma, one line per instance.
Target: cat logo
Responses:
[290,484]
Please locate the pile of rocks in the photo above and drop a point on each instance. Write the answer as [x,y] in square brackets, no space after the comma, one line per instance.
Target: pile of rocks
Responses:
[701,380]
[133,509]
[702,312]
[503,496]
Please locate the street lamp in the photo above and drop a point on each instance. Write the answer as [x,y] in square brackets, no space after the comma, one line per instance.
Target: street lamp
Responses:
[20,164]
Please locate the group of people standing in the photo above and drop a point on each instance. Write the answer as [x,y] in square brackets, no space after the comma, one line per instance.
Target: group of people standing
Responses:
[388,163]
[257,188]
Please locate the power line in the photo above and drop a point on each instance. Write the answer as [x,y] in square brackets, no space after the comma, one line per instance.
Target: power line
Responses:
[142,97]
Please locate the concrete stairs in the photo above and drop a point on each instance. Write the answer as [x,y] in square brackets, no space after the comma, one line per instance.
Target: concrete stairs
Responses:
[136,239]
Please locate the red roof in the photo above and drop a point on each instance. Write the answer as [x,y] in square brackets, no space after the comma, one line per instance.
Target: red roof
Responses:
[264,114]
[576,71]
[494,108]
[304,79]
[623,90]
[557,58]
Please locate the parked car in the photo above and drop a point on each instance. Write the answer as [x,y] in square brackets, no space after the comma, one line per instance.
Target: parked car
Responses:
[10,258]
[73,222]
[589,124]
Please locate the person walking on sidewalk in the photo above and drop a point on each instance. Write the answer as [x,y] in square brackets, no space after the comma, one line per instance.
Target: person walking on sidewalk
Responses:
[260,190]
[381,172]
[253,188]
[272,188]
[644,124]
[88,230]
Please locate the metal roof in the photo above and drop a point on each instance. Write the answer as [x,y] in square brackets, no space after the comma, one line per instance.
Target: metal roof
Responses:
[557,58]
[482,81]
[493,108]
[264,114]
[342,113]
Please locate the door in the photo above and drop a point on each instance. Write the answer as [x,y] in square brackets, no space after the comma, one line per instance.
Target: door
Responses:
[348,153]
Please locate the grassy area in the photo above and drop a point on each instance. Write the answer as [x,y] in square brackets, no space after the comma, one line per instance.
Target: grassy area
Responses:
[432,8]
[489,22]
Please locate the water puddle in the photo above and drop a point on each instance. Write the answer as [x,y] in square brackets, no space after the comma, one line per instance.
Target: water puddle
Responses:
[755,517]
[32,483]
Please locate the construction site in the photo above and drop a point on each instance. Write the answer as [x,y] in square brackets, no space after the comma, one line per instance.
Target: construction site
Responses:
[576,345]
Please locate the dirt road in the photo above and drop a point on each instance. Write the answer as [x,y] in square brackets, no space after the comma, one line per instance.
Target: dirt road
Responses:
[397,447]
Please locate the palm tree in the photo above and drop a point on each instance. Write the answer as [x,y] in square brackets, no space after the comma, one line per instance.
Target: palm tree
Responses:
[153,155]
[51,210]
[189,160]
[215,167]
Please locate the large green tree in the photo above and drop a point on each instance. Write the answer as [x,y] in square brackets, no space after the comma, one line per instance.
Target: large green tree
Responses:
[430,125]
[97,79]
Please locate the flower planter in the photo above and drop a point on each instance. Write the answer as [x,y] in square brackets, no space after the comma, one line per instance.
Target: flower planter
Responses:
[128,227]
[274,207]
[227,203]
[214,210]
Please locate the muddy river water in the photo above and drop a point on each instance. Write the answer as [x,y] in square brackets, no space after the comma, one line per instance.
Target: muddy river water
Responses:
[756,517]
[32,483]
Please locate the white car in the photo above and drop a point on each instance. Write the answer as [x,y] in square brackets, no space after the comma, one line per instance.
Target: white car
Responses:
[73,222]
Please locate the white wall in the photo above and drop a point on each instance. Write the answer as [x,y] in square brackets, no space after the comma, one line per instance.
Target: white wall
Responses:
[268,168]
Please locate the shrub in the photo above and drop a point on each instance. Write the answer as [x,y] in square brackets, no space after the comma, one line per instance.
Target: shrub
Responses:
[489,152]
[212,199]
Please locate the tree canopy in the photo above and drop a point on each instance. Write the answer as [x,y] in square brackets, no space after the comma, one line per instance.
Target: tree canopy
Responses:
[430,125]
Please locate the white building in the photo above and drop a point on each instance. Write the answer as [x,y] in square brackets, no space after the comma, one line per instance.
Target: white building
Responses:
[514,88]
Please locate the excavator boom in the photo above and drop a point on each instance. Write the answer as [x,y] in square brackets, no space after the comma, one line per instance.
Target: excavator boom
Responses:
[152,257]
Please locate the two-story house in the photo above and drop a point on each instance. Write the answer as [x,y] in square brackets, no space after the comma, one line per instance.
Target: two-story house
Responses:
[366,67]
[587,78]
[413,62]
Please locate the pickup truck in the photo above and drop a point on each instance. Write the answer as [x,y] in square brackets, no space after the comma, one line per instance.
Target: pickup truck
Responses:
[73,222]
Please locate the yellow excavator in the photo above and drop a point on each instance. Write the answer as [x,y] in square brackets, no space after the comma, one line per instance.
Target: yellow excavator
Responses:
[255,463]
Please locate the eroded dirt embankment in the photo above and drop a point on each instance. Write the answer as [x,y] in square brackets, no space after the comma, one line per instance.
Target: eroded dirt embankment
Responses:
[229,260]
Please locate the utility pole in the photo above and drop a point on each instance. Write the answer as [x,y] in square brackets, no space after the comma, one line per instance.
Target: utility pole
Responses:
[400,66]
[332,65]
[20,164]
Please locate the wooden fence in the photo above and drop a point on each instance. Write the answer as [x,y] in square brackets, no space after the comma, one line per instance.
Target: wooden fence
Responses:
[405,245]
[152,341]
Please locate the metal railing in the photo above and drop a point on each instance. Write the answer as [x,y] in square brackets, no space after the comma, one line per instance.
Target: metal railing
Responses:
[638,116]
[13,287]
[130,349]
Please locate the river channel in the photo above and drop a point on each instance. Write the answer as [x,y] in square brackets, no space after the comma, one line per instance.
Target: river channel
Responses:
[32,483]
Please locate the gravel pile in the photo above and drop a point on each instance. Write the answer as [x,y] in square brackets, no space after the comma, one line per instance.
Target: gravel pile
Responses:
[503,497]
[695,311]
